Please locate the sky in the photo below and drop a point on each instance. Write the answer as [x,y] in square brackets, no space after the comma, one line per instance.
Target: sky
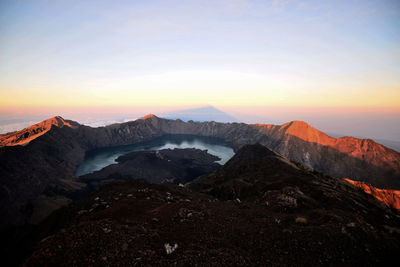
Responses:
[304,58]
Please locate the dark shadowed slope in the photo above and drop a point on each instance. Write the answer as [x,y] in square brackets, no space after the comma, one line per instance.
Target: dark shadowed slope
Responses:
[258,209]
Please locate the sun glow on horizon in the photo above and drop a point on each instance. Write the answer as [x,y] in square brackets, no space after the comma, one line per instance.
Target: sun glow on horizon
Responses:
[262,60]
[220,88]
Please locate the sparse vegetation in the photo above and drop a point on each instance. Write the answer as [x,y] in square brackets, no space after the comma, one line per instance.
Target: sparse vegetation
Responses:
[301,220]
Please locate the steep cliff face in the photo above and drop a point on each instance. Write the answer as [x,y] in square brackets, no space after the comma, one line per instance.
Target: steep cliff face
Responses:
[360,159]
[390,197]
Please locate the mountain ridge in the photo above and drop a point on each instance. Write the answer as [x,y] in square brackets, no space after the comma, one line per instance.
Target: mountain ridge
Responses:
[32,132]
[390,197]
[295,140]
[41,166]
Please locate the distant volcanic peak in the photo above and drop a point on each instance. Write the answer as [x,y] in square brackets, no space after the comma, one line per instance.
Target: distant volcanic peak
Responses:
[306,132]
[57,121]
[296,124]
[149,116]
[26,135]
[46,124]
[390,197]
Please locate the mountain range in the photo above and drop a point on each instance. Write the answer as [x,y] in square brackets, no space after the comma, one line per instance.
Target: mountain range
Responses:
[39,162]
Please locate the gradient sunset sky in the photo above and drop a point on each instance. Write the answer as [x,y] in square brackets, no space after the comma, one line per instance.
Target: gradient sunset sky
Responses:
[247,54]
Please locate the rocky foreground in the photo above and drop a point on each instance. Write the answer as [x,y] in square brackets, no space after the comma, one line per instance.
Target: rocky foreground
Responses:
[258,209]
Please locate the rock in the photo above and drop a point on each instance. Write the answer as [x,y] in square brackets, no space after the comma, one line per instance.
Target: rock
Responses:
[82,212]
[170,249]
[352,224]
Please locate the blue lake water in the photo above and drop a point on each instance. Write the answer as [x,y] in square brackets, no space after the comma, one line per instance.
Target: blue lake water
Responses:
[100,158]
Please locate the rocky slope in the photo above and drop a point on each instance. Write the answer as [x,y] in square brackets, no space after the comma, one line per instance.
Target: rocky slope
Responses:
[26,135]
[358,159]
[43,167]
[390,197]
[258,209]
[45,164]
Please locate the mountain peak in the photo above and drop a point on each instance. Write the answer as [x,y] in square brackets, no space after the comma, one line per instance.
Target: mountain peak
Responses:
[251,162]
[24,136]
[306,132]
[251,153]
[56,120]
[255,150]
[149,116]
[302,124]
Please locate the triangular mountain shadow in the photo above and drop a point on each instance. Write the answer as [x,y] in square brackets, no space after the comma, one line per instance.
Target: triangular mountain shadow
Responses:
[207,113]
